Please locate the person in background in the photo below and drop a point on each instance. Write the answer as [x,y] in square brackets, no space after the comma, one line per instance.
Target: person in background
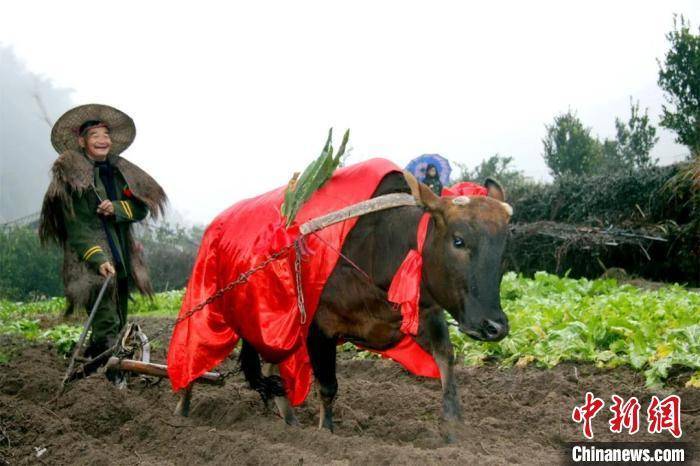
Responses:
[432,179]
[94,199]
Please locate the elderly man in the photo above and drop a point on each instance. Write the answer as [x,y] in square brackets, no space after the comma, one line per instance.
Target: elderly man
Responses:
[94,198]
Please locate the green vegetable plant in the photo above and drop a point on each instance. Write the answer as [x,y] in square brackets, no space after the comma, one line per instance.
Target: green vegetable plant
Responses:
[557,319]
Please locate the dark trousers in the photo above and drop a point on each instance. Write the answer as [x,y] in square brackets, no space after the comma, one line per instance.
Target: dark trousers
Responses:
[110,317]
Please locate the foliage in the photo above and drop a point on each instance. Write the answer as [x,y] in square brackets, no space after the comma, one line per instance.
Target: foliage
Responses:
[569,147]
[679,77]
[17,318]
[660,200]
[497,167]
[22,319]
[314,176]
[31,308]
[642,196]
[552,320]
[28,328]
[166,303]
[632,145]
[64,337]
[28,270]
[560,319]
[170,254]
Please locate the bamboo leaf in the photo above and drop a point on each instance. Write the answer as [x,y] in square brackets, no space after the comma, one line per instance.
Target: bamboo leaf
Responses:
[312,178]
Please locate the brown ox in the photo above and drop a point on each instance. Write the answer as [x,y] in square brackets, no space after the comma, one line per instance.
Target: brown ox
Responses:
[461,274]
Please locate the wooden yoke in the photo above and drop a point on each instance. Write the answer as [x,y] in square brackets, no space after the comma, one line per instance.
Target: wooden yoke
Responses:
[375,204]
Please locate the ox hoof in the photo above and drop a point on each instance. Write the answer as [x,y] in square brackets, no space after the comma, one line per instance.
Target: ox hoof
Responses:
[182,411]
[183,405]
[292,421]
[326,424]
[450,430]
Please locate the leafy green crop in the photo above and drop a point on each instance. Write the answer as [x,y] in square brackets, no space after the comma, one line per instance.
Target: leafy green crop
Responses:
[552,320]
[556,319]
[32,308]
[166,303]
[64,337]
[28,328]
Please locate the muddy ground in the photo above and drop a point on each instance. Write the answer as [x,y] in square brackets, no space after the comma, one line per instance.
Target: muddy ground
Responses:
[383,416]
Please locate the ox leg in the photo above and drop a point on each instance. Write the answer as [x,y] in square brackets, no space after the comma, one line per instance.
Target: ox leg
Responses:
[322,354]
[282,403]
[183,405]
[436,336]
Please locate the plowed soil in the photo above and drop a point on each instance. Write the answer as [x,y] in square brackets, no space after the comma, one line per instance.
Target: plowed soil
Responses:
[383,416]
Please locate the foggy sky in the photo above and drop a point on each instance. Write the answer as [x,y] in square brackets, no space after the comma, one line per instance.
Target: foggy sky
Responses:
[25,149]
[231,98]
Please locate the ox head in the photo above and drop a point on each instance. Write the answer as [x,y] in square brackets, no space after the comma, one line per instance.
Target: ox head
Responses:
[462,257]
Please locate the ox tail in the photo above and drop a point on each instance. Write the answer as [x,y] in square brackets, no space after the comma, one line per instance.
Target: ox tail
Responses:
[267,387]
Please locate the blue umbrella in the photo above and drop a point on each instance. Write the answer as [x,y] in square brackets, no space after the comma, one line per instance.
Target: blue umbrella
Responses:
[419,165]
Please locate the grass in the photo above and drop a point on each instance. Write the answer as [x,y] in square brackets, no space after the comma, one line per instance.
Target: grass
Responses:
[552,319]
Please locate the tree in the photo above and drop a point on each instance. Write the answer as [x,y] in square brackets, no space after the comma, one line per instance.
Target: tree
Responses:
[632,145]
[569,147]
[679,77]
[497,167]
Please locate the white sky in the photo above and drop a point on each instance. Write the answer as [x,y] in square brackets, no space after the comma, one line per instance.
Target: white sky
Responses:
[230,98]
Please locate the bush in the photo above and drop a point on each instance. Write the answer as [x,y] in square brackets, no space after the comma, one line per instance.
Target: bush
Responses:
[627,198]
[660,200]
[170,254]
[29,271]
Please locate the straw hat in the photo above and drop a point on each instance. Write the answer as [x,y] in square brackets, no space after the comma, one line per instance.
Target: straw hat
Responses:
[64,134]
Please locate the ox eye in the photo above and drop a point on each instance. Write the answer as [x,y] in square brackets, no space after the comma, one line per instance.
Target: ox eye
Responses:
[457,242]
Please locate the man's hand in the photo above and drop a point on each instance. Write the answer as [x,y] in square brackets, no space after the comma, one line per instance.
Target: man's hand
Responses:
[107,269]
[105,208]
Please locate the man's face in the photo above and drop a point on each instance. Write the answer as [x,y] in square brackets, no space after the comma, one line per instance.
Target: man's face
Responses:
[96,142]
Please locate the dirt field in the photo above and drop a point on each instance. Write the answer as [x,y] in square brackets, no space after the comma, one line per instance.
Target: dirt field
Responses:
[383,416]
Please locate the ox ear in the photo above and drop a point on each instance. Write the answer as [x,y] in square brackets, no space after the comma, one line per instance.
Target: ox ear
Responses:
[497,192]
[425,197]
[495,189]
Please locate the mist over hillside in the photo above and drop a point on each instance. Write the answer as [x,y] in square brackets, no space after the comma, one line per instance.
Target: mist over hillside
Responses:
[28,106]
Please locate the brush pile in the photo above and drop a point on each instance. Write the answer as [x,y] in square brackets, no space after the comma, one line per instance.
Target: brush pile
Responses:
[646,222]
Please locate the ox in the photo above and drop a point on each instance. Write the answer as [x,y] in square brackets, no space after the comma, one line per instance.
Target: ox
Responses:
[461,274]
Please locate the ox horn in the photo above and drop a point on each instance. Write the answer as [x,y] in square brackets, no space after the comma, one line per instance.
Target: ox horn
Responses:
[508,208]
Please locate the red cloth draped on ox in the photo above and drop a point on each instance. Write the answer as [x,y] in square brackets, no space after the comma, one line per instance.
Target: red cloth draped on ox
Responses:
[264,311]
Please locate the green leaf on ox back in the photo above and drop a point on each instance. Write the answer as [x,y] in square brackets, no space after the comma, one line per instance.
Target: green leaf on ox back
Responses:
[312,178]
